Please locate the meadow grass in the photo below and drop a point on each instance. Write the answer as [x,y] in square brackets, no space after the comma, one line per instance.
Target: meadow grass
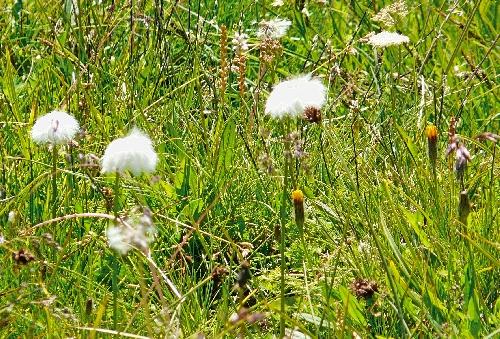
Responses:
[390,246]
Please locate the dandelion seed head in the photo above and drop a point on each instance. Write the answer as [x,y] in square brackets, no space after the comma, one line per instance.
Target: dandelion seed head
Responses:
[292,97]
[386,39]
[55,128]
[273,29]
[132,153]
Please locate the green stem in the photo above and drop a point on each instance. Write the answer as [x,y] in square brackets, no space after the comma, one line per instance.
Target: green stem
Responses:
[283,217]
[54,182]
[114,261]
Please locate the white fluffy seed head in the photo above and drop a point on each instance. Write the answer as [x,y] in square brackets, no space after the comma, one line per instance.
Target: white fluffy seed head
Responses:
[292,97]
[386,39]
[273,29]
[135,232]
[55,128]
[133,153]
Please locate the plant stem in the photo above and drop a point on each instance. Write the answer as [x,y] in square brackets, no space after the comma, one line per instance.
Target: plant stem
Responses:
[283,217]
[114,261]
[54,182]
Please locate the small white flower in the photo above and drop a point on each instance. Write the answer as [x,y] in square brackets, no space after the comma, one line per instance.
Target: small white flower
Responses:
[132,153]
[385,39]
[273,29]
[2,239]
[306,12]
[292,97]
[12,217]
[240,42]
[137,232]
[55,128]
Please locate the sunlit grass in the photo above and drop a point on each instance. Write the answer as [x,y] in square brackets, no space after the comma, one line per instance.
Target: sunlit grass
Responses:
[378,211]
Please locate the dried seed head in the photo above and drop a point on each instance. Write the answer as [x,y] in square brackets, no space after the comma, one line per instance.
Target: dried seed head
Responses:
[363,288]
[219,273]
[224,66]
[488,136]
[22,257]
[462,157]
[269,49]
[244,274]
[312,114]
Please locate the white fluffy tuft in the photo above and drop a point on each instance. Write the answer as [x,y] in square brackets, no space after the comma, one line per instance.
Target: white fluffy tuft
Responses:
[132,153]
[385,39]
[292,97]
[273,29]
[55,128]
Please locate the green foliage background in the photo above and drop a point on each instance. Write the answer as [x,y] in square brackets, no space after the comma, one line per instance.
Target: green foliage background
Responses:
[374,210]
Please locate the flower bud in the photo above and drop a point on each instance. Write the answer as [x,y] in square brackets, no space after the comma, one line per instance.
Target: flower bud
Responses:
[298,203]
[432,135]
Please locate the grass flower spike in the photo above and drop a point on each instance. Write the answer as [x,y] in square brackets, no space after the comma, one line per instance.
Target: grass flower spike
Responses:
[292,97]
[132,153]
[55,128]
[386,39]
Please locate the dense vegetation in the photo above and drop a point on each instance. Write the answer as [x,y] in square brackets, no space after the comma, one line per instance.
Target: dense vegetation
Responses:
[401,230]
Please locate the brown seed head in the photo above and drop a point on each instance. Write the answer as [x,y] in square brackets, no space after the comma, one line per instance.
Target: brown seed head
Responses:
[312,114]
[363,288]
[22,257]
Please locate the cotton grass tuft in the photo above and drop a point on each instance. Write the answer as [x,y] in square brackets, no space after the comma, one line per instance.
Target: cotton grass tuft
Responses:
[55,128]
[273,29]
[292,97]
[133,153]
[386,39]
